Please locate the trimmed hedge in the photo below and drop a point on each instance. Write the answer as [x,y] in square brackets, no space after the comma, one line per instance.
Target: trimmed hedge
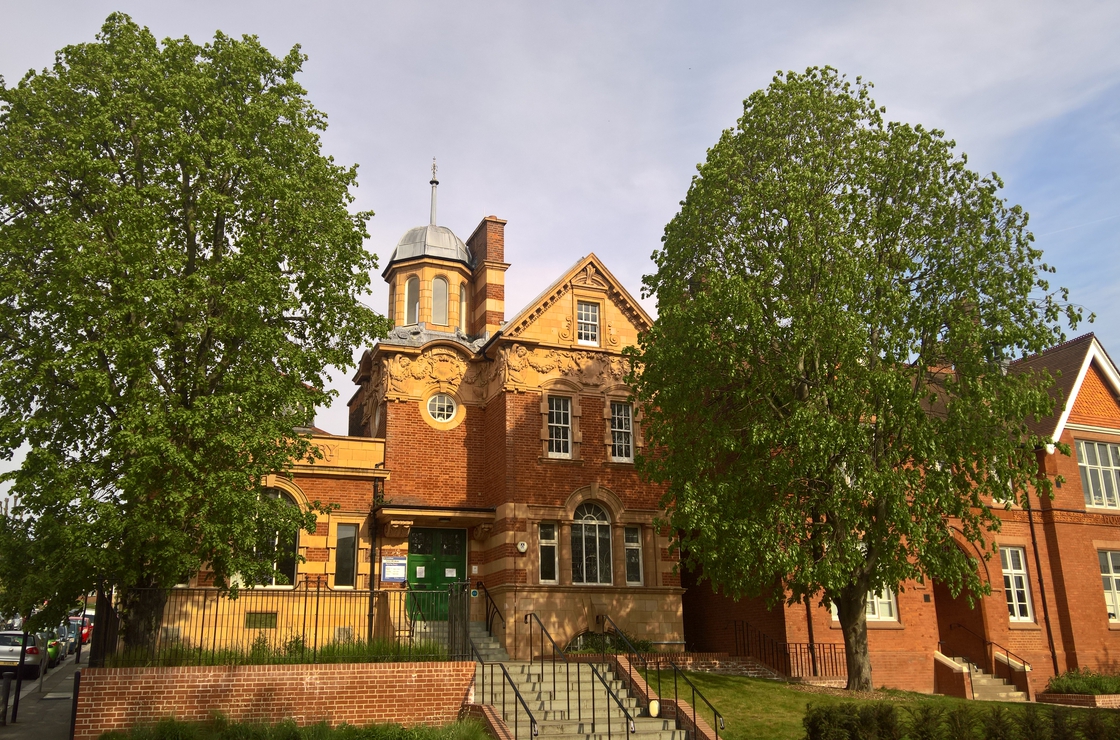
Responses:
[883,721]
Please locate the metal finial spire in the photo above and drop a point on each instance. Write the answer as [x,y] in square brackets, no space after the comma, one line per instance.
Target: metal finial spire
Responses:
[434,182]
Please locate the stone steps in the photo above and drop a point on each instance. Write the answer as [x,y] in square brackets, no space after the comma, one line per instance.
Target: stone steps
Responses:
[577,707]
[986,687]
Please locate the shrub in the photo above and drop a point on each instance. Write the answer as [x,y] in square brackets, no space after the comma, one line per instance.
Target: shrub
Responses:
[999,725]
[1033,724]
[960,723]
[926,722]
[1063,725]
[1084,682]
[852,722]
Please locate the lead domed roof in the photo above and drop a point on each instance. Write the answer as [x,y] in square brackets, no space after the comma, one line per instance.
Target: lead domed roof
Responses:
[431,241]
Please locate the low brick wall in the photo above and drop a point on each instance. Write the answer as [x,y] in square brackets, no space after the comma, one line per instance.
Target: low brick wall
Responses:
[1103,701]
[357,693]
[734,665]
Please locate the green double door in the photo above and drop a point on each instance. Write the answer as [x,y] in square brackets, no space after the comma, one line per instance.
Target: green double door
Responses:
[436,558]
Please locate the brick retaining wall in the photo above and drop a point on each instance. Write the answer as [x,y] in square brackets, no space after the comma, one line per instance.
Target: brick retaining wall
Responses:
[357,693]
[1104,701]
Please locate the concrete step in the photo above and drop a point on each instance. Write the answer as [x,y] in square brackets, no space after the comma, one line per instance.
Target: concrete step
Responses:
[580,707]
[645,735]
[598,726]
[986,687]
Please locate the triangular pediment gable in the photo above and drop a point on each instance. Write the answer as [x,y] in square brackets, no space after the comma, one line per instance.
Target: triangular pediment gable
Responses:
[1093,396]
[550,317]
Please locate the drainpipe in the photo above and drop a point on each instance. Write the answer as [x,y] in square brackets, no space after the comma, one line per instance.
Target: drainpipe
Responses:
[812,642]
[1041,582]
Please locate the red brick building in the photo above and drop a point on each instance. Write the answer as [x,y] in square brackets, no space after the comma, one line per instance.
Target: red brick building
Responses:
[496,450]
[1054,569]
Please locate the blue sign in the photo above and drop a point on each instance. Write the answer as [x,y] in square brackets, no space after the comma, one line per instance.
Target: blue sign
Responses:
[394,569]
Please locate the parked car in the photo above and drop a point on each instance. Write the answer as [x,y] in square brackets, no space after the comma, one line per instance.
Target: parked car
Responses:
[10,644]
[53,645]
[85,625]
[70,633]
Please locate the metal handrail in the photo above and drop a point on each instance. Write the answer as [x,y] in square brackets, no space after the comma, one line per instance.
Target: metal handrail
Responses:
[789,658]
[603,619]
[630,726]
[717,718]
[991,644]
[567,668]
[491,609]
[518,698]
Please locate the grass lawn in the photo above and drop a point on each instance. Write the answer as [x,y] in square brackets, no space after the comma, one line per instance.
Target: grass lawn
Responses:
[756,708]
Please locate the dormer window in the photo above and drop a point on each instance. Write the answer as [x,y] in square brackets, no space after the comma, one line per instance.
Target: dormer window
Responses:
[412,300]
[587,323]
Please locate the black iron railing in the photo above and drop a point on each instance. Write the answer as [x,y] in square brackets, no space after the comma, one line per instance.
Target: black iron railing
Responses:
[508,689]
[985,653]
[633,657]
[556,657]
[791,659]
[308,623]
[559,657]
[492,610]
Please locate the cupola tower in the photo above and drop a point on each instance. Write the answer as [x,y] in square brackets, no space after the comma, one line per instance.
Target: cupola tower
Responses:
[437,281]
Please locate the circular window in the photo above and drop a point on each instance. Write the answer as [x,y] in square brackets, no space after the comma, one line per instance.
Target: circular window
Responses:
[441,407]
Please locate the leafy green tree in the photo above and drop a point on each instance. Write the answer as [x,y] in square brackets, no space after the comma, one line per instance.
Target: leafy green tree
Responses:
[178,268]
[826,381]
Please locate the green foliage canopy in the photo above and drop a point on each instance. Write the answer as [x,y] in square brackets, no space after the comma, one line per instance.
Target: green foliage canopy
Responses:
[826,381]
[178,268]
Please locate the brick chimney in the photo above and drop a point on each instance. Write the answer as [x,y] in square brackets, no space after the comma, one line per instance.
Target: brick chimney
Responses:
[488,247]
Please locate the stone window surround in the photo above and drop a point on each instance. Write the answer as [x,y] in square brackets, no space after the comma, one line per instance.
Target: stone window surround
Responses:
[569,390]
[620,519]
[621,395]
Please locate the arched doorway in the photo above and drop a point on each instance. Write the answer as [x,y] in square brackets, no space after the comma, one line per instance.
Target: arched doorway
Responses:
[962,626]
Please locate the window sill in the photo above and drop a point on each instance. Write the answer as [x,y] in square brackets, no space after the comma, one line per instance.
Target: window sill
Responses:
[1102,509]
[875,624]
[1114,626]
[1026,626]
[568,460]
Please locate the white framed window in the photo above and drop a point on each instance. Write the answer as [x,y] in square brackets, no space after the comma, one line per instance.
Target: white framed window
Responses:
[622,432]
[346,556]
[881,607]
[587,323]
[591,545]
[280,551]
[412,300]
[441,407]
[1110,577]
[439,301]
[549,551]
[633,542]
[1015,586]
[1099,465]
[559,426]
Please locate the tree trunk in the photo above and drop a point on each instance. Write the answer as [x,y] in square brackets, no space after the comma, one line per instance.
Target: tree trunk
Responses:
[142,614]
[852,607]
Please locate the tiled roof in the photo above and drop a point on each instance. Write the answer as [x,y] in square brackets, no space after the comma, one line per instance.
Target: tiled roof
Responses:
[1064,362]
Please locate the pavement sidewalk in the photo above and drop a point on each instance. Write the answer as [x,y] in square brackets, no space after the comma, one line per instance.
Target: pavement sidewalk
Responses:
[45,707]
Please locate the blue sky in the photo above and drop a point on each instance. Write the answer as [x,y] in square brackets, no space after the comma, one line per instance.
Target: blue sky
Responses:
[581,123]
